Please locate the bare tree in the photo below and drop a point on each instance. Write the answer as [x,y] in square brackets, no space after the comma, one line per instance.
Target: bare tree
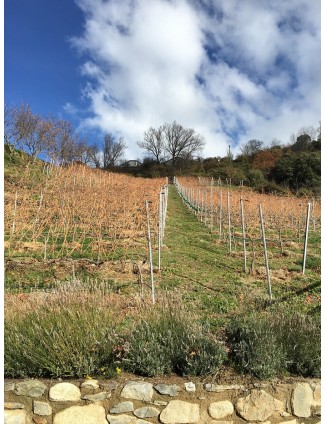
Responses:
[181,142]
[94,155]
[251,147]
[275,142]
[113,150]
[63,146]
[153,143]
[80,148]
[19,124]
[311,131]
[40,136]
[26,130]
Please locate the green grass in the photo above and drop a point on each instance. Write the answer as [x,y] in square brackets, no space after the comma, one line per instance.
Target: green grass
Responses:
[212,281]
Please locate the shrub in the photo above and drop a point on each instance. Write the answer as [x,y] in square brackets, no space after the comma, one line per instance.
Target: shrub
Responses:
[256,178]
[166,341]
[59,342]
[254,346]
[301,337]
[274,343]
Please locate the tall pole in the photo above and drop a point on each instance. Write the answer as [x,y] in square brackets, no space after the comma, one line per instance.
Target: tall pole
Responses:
[306,239]
[243,235]
[159,230]
[265,252]
[220,223]
[229,223]
[211,205]
[150,252]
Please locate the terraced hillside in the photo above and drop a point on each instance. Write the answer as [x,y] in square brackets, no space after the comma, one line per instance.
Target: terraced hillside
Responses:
[76,249]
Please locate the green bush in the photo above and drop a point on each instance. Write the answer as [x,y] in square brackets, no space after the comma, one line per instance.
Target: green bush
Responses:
[256,178]
[254,346]
[301,336]
[275,343]
[59,342]
[168,341]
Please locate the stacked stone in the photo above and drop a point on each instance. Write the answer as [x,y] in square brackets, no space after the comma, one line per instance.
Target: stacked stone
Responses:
[141,402]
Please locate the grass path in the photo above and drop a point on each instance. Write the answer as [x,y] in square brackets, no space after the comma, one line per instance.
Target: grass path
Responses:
[196,263]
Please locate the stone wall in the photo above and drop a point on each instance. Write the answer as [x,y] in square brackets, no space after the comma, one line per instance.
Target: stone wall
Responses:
[141,402]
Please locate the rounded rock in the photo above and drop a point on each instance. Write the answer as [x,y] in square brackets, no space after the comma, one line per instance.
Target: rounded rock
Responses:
[302,399]
[147,412]
[178,411]
[138,390]
[221,409]
[89,414]
[64,392]
[42,408]
[31,388]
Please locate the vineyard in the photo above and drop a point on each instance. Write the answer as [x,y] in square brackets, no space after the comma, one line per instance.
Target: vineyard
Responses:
[100,241]
[284,216]
[246,220]
[80,212]
[77,213]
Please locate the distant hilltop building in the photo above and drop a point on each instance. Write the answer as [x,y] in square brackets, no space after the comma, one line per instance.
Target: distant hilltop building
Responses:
[131,163]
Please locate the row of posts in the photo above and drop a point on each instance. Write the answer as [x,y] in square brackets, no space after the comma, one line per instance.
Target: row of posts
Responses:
[199,205]
[162,211]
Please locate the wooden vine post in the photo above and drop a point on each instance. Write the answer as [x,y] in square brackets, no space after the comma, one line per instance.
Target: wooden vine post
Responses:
[265,252]
[229,224]
[211,204]
[150,251]
[220,215]
[160,222]
[243,236]
[306,239]
[14,217]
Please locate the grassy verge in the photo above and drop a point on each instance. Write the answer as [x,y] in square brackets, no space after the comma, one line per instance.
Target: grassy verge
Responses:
[78,331]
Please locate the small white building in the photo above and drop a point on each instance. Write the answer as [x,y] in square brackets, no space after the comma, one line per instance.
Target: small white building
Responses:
[131,163]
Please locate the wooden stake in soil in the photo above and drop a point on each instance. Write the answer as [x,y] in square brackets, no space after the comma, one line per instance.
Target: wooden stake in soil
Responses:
[211,205]
[150,252]
[160,225]
[229,223]
[14,217]
[313,214]
[220,223]
[265,252]
[306,239]
[243,236]
[205,219]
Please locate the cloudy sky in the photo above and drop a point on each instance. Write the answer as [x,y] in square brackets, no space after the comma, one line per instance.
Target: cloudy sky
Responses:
[231,69]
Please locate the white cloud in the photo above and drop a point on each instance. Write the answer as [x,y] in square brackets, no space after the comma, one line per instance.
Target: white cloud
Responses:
[232,72]
[70,109]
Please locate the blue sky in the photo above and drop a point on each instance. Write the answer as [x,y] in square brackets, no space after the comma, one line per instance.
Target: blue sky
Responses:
[231,69]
